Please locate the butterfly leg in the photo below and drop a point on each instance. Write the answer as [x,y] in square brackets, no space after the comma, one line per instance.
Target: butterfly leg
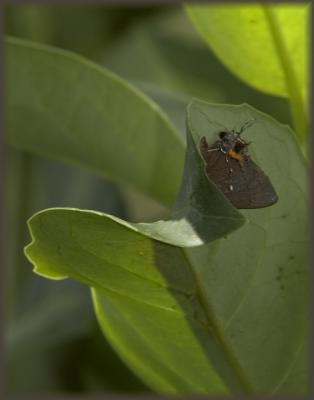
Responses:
[229,172]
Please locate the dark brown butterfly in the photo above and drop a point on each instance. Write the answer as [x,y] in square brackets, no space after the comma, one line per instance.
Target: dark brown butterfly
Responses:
[233,171]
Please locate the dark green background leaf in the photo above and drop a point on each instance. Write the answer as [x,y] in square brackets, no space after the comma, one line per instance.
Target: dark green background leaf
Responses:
[67,106]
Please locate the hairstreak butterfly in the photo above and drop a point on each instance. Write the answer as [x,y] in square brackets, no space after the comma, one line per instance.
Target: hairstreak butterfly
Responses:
[233,171]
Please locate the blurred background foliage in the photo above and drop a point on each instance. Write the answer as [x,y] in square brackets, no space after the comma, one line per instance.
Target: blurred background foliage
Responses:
[53,341]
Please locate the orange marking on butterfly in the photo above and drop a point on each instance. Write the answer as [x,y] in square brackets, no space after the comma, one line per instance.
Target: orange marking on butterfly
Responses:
[233,154]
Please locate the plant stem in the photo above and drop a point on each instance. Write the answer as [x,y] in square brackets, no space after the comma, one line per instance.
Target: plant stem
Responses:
[17,206]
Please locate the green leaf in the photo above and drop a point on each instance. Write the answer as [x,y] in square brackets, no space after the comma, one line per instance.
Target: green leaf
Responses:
[122,265]
[62,106]
[264,45]
[202,213]
[228,316]
[173,104]
[177,59]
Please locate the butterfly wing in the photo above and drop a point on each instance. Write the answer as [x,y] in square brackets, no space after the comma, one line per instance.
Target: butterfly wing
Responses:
[243,183]
[251,186]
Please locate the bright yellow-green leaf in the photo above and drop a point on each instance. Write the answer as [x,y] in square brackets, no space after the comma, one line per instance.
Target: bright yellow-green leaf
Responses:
[265,46]
[243,38]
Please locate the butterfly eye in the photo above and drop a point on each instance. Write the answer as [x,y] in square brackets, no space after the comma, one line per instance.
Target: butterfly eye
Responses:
[222,135]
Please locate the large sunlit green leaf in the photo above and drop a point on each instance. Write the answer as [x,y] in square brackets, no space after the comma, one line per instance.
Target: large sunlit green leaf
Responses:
[264,45]
[65,107]
[243,38]
[228,316]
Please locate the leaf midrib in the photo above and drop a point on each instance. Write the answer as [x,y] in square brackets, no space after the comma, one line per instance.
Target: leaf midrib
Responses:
[94,283]
[156,355]
[295,96]
[289,369]
[217,329]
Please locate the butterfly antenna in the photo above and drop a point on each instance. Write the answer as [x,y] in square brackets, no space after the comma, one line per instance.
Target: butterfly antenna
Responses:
[246,125]
[212,122]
